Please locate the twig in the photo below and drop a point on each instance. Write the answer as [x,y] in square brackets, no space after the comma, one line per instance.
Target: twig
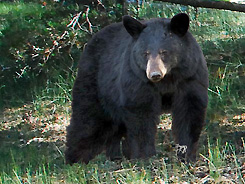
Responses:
[74,21]
[55,45]
[100,3]
[22,72]
[72,24]
[88,21]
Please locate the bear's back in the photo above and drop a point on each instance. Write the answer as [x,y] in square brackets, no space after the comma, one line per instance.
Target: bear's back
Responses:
[107,37]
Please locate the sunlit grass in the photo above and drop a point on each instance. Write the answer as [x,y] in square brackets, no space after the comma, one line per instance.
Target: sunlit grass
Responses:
[222,163]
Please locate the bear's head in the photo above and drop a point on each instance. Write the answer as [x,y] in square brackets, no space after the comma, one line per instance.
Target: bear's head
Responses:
[158,44]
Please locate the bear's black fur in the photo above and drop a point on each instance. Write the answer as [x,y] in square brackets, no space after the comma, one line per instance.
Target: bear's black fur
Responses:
[129,74]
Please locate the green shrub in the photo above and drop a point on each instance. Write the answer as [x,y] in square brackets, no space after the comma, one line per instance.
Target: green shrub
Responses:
[41,41]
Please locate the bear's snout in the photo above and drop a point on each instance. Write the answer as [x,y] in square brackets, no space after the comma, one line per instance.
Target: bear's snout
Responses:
[156,76]
[156,69]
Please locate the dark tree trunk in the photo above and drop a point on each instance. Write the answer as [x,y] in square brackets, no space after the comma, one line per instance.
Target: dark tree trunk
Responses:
[209,4]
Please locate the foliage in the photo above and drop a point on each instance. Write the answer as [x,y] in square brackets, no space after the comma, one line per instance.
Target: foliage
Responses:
[26,54]
[37,44]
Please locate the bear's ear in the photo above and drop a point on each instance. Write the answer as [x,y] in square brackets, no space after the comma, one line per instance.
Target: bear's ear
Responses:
[133,26]
[179,24]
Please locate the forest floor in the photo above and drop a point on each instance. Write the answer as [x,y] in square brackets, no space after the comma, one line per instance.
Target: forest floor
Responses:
[33,136]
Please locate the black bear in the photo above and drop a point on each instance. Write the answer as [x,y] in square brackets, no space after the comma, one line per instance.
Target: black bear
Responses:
[129,74]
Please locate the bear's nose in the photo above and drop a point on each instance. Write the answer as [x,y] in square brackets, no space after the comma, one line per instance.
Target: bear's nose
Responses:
[155,76]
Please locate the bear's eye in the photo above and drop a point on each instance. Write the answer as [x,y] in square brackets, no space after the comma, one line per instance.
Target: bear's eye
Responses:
[147,53]
[162,52]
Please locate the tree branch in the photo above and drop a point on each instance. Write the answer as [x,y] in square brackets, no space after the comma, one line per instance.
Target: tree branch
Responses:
[210,4]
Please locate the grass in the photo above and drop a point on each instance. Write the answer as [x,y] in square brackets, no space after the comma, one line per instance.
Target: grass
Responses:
[32,136]
[32,151]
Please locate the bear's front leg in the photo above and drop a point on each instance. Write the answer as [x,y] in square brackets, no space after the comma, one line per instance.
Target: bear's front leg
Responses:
[113,150]
[140,139]
[188,111]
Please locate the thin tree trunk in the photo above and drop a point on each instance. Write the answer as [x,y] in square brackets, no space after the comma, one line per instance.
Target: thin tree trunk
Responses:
[209,4]
[124,7]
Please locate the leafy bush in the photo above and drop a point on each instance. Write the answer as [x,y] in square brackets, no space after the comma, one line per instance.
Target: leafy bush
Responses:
[28,35]
[41,41]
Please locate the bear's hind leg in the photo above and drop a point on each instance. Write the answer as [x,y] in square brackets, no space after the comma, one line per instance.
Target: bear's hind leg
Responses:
[85,141]
[86,134]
